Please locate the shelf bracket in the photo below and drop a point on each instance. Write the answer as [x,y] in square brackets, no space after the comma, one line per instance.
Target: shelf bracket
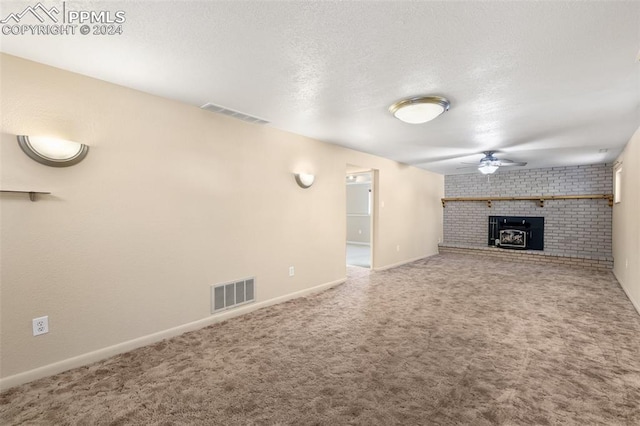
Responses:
[32,194]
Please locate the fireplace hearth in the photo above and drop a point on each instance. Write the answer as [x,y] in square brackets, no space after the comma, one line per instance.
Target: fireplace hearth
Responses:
[516,232]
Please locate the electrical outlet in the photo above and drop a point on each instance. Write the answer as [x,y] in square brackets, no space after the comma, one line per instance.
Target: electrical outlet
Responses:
[398,247]
[40,325]
[292,271]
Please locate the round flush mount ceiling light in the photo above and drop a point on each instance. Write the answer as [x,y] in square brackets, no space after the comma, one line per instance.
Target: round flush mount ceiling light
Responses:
[419,110]
[53,152]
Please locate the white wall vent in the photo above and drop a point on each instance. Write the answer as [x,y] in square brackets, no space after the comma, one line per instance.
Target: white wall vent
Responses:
[235,114]
[232,294]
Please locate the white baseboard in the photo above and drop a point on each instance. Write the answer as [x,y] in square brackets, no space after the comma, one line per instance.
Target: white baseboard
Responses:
[635,303]
[100,354]
[404,262]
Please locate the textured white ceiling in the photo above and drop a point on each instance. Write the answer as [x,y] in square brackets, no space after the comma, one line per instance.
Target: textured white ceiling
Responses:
[549,83]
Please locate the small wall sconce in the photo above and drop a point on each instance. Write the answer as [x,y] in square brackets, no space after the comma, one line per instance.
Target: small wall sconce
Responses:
[304,180]
[53,152]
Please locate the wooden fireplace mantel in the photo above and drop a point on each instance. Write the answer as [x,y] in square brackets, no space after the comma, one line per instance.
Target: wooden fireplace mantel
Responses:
[539,198]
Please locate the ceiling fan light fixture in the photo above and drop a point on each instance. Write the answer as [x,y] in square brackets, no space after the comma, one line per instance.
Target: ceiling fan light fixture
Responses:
[488,168]
[419,110]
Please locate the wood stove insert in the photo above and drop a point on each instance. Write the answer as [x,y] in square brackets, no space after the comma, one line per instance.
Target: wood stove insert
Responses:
[516,232]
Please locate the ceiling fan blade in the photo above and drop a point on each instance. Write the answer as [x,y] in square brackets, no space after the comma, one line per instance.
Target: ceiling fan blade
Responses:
[466,167]
[473,164]
[513,163]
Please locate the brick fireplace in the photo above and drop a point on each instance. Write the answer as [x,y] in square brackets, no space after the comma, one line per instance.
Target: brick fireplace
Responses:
[572,230]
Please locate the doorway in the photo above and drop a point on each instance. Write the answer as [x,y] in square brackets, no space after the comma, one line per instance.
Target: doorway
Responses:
[359,239]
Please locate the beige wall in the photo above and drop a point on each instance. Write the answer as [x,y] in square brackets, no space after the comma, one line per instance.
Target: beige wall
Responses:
[359,229]
[170,200]
[358,218]
[358,198]
[626,223]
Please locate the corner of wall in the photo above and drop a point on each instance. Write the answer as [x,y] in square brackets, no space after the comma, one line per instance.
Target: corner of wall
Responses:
[626,229]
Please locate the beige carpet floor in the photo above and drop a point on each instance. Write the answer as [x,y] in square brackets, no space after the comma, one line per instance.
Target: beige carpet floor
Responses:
[449,340]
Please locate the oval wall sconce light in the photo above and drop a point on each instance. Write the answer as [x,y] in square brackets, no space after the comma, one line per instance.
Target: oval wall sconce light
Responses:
[304,180]
[53,152]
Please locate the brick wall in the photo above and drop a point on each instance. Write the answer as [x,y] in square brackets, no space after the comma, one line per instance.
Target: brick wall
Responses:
[580,228]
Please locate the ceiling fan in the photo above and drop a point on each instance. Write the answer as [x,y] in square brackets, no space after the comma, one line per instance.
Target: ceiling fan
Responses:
[489,163]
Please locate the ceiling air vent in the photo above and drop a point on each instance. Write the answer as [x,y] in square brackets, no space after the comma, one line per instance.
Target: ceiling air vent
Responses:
[235,114]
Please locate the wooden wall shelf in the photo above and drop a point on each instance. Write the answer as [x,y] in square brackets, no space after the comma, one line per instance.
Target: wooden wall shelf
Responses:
[32,194]
[540,198]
